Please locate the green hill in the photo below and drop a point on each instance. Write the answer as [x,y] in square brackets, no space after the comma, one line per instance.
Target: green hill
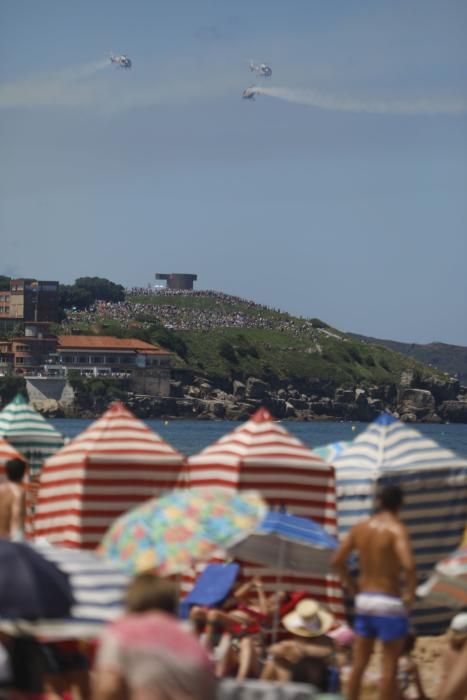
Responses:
[451,359]
[223,338]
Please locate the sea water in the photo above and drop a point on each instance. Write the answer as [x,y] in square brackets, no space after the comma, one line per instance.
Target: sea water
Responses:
[191,436]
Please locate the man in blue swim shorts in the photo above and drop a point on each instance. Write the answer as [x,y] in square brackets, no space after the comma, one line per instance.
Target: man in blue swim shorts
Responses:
[381,610]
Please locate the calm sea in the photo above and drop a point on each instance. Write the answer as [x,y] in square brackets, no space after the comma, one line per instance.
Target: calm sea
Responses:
[191,436]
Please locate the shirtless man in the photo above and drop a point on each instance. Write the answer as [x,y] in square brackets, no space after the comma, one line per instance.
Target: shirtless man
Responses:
[381,612]
[12,501]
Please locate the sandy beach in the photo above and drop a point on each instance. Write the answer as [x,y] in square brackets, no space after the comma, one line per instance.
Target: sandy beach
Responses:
[427,654]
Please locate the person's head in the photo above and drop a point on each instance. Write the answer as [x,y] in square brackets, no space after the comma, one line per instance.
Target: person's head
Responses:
[308,619]
[458,631]
[146,591]
[312,671]
[391,498]
[15,469]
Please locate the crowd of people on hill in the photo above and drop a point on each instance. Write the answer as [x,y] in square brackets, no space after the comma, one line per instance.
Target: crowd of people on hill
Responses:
[223,313]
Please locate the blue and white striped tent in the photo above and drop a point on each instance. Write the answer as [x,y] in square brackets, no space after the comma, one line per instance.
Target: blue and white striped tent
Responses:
[98,587]
[434,481]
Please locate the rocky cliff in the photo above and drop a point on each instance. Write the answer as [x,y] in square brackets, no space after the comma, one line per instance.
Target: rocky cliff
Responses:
[412,399]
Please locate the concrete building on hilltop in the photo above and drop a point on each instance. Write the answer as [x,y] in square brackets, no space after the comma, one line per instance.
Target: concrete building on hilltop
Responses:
[177,280]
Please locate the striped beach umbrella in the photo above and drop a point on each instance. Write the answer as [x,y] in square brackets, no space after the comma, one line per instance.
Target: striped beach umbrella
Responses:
[448,583]
[288,541]
[27,431]
[98,586]
[434,482]
[115,464]
[262,455]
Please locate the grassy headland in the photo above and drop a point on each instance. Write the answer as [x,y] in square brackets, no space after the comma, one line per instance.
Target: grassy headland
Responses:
[224,338]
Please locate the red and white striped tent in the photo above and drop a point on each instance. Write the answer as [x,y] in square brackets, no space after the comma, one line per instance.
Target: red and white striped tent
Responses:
[112,466]
[261,454]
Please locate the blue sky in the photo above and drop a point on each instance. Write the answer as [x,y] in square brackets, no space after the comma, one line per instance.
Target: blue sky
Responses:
[355,213]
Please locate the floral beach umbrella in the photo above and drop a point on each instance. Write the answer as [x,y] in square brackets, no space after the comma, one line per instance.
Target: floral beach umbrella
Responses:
[448,584]
[27,431]
[173,532]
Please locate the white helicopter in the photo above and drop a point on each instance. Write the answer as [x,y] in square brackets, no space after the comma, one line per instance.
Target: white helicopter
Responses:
[121,61]
[261,69]
[250,92]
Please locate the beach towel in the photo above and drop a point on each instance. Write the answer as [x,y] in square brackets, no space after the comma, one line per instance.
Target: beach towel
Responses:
[211,588]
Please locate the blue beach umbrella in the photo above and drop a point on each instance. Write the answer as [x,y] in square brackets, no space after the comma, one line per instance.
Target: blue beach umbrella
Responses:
[286,541]
[31,587]
[98,586]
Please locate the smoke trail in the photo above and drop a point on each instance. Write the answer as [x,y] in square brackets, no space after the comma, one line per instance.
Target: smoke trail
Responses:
[414,107]
[52,88]
[84,71]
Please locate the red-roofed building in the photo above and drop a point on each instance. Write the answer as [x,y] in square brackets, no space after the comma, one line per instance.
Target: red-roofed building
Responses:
[106,356]
[89,355]
[103,354]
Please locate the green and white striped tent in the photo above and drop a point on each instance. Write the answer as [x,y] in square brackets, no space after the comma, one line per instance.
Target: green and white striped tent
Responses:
[28,432]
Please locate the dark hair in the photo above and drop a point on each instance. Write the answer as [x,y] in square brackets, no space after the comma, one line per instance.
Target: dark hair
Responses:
[391,498]
[147,592]
[15,469]
[311,670]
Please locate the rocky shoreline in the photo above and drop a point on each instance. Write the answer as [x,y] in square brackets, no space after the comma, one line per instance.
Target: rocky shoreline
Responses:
[412,400]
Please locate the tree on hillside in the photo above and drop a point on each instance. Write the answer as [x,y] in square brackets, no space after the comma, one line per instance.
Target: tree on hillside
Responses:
[101,288]
[156,333]
[86,290]
[9,387]
[73,297]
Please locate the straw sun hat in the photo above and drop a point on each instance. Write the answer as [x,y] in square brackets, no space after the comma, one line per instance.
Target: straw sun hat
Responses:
[308,619]
[459,624]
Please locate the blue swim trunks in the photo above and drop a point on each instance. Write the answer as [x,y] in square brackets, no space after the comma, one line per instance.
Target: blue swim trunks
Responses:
[380,616]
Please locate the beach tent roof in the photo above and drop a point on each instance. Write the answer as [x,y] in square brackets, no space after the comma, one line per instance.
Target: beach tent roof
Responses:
[261,439]
[434,483]
[262,454]
[388,445]
[117,437]
[116,463]
[21,423]
[24,428]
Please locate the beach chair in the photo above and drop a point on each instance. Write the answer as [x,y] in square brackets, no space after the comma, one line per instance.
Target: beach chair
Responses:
[211,588]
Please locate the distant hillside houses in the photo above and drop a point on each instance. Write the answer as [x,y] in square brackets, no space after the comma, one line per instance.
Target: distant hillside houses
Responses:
[38,352]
